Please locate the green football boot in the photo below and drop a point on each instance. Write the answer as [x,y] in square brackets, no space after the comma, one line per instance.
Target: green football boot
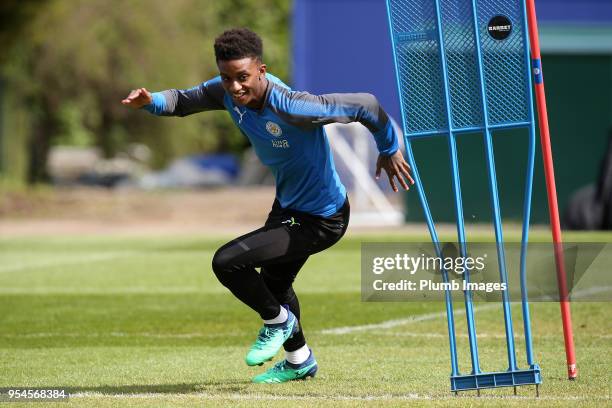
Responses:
[285,371]
[270,339]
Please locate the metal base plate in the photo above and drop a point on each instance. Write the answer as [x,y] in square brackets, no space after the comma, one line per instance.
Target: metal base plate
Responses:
[493,380]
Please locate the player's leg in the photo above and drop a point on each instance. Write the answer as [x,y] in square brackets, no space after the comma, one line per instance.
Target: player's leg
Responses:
[288,236]
[299,362]
[322,233]
[309,235]
[234,265]
[279,278]
[235,262]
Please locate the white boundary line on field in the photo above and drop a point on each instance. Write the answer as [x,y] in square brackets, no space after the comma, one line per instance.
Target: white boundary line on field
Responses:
[120,334]
[517,336]
[260,397]
[133,290]
[70,260]
[388,324]
[236,334]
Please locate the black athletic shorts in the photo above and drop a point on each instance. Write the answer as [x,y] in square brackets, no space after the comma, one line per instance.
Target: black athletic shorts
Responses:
[307,233]
[280,248]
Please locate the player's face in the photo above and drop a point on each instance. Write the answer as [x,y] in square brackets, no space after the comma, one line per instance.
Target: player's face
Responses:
[244,80]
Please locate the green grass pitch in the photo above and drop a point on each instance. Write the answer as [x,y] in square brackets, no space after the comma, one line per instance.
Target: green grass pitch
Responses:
[144,322]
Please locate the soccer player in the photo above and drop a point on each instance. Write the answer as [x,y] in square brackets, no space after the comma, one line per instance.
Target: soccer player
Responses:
[311,209]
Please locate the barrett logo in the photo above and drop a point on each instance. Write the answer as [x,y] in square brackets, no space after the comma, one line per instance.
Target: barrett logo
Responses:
[273,129]
[500,27]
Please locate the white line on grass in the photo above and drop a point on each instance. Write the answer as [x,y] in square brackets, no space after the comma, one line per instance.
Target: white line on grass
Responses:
[576,295]
[205,395]
[480,335]
[225,335]
[36,335]
[260,397]
[70,260]
[237,334]
[206,289]
[133,290]
[388,324]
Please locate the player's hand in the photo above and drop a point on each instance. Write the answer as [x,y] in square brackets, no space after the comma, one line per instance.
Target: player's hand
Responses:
[396,168]
[138,98]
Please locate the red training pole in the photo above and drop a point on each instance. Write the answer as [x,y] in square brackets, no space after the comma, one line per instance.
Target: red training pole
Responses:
[553,209]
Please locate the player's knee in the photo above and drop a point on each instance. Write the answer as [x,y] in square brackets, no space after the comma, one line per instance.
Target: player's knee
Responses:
[222,265]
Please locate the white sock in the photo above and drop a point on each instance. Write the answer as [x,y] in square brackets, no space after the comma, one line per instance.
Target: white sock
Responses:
[281,318]
[298,356]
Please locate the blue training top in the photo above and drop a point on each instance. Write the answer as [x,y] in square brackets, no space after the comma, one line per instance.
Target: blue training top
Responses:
[288,136]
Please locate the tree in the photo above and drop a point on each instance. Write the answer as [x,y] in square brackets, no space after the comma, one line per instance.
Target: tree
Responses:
[76,59]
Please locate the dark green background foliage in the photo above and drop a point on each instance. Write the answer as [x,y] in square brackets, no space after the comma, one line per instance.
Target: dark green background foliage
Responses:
[579,113]
[68,63]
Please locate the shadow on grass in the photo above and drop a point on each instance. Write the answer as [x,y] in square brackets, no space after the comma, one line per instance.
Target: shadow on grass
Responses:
[228,386]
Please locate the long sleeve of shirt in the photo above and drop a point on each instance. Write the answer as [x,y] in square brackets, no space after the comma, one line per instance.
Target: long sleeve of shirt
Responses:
[306,110]
[182,102]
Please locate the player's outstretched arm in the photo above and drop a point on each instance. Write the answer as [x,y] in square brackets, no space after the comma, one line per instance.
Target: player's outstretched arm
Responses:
[396,168]
[179,102]
[138,98]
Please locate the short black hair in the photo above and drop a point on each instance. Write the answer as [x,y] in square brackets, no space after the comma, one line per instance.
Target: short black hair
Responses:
[238,43]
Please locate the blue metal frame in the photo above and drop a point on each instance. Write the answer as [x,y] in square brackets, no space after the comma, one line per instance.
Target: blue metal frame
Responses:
[450,319]
[477,379]
[452,146]
[499,239]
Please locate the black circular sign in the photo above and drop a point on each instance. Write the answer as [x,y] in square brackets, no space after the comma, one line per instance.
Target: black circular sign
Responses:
[499,27]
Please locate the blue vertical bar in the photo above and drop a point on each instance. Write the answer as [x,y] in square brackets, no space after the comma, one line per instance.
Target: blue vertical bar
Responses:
[450,320]
[495,201]
[469,307]
[524,242]
[527,200]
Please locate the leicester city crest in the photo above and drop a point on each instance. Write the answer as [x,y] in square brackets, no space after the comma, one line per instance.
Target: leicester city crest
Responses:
[274,129]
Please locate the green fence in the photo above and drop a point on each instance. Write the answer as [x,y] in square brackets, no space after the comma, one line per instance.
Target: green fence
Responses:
[579,96]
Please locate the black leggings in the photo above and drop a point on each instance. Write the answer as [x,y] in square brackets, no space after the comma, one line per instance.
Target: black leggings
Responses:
[280,248]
